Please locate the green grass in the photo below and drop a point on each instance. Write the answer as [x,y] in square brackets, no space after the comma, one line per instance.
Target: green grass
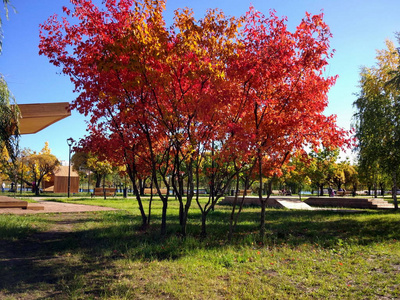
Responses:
[14,227]
[104,255]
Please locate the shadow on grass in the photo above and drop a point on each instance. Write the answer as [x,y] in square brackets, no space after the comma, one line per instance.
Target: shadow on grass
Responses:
[89,243]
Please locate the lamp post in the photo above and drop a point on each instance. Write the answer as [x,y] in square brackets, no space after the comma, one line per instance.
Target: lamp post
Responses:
[70,142]
[88,183]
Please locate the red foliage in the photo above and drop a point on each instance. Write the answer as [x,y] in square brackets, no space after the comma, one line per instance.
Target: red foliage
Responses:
[149,89]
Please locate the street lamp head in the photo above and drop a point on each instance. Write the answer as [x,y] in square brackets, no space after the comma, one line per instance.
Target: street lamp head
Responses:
[70,141]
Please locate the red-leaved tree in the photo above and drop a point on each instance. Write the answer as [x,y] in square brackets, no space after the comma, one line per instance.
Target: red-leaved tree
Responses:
[164,101]
[283,91]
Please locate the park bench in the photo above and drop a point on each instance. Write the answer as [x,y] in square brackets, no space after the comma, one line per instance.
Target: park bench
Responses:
[147,191]
[241,192]
[344,193]
[281,193]
[101,191]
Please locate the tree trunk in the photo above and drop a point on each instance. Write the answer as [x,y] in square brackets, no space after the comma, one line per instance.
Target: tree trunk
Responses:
[37,186]
[141,208]
[104,187]
[150,202]
[262,224]
[321,189]
[212,185]
[231,219]
[203,225]
[98,180]
[164,217]
[394,194]
[339,185]
[204,212]
[262,202]
[354,190]
[37,190]
[181,210]
[141,187]
[139,200]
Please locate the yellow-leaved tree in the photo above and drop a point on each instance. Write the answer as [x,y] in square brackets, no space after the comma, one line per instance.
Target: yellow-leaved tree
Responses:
[40,165]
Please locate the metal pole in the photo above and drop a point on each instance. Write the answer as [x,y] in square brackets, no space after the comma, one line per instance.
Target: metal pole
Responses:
[70,141]
[69,170]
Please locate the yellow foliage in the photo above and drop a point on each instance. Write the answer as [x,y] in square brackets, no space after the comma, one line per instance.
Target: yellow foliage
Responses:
[46,149]
[373,80]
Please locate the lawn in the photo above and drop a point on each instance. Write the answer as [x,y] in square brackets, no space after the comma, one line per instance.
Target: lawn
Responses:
[104,255]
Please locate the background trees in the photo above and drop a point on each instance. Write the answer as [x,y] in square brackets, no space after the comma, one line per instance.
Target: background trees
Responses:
[378,115]
[9,116]
[322,167]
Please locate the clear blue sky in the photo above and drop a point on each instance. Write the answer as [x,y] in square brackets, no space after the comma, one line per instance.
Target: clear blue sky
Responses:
[359,27]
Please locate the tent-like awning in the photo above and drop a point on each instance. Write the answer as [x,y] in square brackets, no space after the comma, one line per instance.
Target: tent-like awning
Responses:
[35,117]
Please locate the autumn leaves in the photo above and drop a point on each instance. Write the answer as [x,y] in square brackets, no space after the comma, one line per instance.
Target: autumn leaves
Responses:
[161,99]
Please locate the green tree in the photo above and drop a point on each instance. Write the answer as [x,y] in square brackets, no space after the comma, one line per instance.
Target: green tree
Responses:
[102,167]
[6,4]
[344,174]
[378,115]
[322,167]
[9,114]
[353,179]
[296,172]
[85,161]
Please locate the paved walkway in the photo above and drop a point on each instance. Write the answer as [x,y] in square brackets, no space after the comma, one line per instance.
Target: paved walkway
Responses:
[55,207]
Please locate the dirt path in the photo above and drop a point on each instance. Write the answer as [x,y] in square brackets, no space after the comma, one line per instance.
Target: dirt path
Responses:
[55,207]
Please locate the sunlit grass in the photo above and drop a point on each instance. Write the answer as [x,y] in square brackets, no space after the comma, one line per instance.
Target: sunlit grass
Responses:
[305,254]
[13,227]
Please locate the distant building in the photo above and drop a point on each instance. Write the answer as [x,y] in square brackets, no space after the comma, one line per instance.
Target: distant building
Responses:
[59,181]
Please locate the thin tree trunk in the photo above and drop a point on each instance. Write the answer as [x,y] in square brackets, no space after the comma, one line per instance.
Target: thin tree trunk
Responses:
[396,206]
[150,202]
[263,202]
[262,224]
[104,187]
[204,212]
[98,180]
[189,198]
[203,225]
[141,208]
[141,187]
[164,218]
[231,219]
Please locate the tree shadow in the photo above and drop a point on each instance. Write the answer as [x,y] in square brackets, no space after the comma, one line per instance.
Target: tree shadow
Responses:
[90,243]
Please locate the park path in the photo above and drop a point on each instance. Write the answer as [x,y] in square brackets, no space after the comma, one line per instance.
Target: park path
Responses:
[55,207]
